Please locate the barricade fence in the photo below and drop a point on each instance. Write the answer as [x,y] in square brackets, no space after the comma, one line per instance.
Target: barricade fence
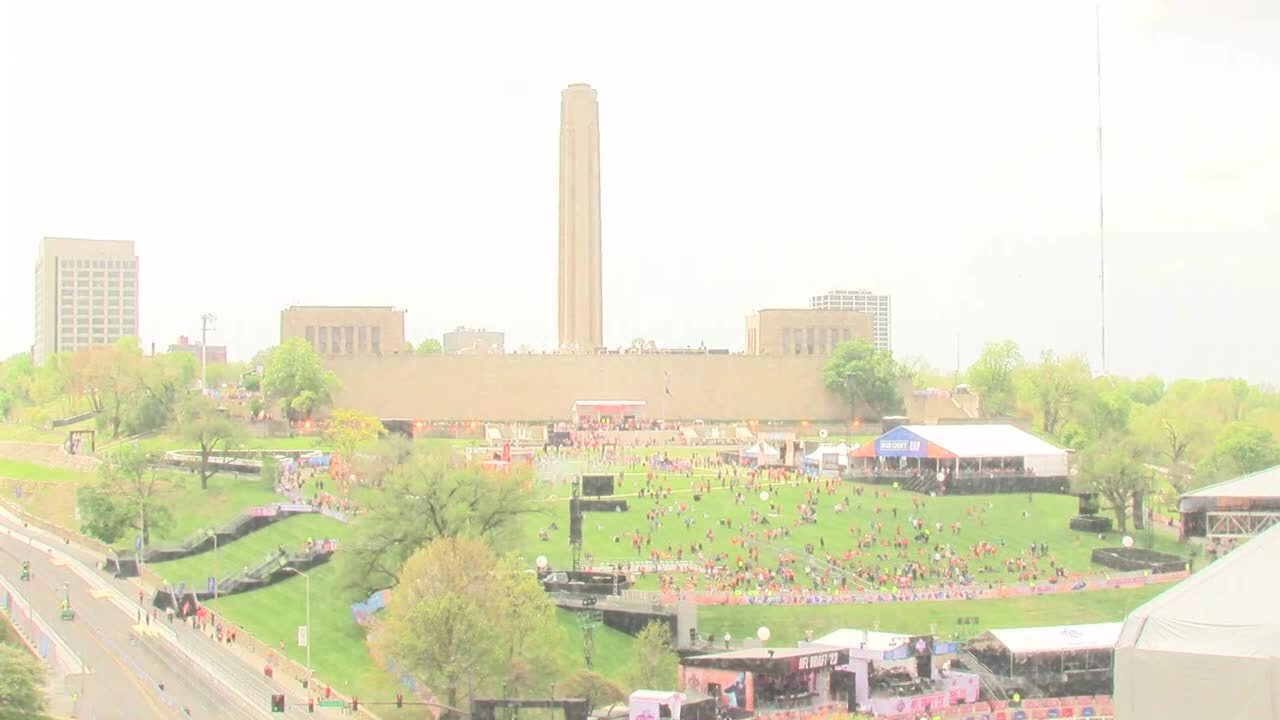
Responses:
[911,595]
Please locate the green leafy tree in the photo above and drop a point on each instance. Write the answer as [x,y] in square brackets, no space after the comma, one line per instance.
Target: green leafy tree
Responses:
[656,663]
[255,406]
[860,372]
[923,375]
[21,684]
[349,430]
[114,380]
[1055,383]
[1143,391]
[465,621]
[529,651]
[202,422]
[425,498]
[1240,448]
[994,376]
[17,374]
[1110,467]
[1174,436]
[295,376]
[593,687]
[270,470]
[162,383]
[128,493]
[430,346]
[1230,398]
[1101,410]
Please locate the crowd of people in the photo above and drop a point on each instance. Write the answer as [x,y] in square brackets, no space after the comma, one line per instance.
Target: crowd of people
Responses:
[886,549]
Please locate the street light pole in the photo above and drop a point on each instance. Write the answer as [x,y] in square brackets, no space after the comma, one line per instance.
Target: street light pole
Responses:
[206,324]
[307,578]
[214,535]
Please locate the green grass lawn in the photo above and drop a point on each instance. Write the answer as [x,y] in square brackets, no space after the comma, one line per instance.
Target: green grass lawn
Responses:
[1009,518]
[612,649]
[195,509]
[251,549]
[35,472]
[338,652]
[21,432]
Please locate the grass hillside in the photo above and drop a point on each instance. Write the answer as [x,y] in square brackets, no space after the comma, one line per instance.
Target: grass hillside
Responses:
[232,557]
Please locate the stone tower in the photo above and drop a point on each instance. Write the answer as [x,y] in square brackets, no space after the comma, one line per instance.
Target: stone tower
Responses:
[580,297]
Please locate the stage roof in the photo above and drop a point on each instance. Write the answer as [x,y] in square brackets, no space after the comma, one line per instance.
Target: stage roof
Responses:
[1261,484]
[974,441]
[1058,638]
[958,441]
[875,641]
[776,660]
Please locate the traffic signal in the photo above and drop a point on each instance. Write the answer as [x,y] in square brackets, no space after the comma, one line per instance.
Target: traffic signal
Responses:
[399,700]
[277,703]
[311,704]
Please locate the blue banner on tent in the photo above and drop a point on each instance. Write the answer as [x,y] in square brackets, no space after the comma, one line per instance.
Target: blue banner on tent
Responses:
[901,442]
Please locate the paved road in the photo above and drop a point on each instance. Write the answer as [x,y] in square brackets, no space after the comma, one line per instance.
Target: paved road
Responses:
[135,670]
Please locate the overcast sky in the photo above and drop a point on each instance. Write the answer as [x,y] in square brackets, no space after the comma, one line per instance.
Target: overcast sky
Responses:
[263,154]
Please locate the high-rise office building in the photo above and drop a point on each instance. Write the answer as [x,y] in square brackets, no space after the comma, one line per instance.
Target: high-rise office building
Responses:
[863,301]
[581,321]
[86,294]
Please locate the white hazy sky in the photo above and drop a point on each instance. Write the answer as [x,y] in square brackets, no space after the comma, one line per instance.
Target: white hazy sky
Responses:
[263,154]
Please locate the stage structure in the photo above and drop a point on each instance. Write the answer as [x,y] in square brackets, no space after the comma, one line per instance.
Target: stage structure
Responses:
[1238,508]
[573,708]
[892,673]
[1061,660]
[610,413]
[961,460]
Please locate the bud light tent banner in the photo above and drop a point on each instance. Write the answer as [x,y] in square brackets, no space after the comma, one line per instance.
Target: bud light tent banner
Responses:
[901,442]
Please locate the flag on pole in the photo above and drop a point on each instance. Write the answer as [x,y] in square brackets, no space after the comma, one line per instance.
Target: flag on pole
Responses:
[666,376]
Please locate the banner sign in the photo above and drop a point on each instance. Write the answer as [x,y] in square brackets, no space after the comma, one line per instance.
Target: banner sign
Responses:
[296,508]
[263,511]
[901,443]
[816,662]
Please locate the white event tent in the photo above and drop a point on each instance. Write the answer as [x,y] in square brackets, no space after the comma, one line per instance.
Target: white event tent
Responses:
[1210,646]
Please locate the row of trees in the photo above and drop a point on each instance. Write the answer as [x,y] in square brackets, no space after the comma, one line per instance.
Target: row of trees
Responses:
[134,393]
[131,392]
[1127,431]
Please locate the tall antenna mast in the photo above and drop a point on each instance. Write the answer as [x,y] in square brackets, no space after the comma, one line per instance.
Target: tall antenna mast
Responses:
[1102,232]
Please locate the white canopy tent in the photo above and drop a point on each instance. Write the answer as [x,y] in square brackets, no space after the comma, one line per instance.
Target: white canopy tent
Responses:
[647,704]
[841,452]
[983,441]
[1058,638]
[762,450]
[1208,647]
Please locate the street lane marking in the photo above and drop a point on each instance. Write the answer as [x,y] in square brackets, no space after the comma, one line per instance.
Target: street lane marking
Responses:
[60,562]
[100,594]
[146,695]
[147,630]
